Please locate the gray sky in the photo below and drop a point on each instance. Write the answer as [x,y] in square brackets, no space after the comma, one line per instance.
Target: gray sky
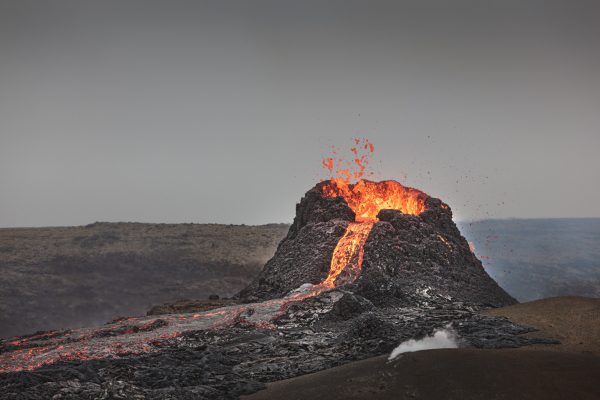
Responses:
[220,111]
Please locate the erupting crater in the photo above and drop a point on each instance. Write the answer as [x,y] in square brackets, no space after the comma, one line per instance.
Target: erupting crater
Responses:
[366,199]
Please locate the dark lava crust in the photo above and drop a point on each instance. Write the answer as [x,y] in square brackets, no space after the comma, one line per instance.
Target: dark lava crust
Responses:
[404,254]
[418,276]
[322,332]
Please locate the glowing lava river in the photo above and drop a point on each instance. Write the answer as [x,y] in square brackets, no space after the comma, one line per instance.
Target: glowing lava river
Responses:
[139,335]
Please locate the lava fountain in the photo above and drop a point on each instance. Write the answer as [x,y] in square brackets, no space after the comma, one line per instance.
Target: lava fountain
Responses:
[366,199]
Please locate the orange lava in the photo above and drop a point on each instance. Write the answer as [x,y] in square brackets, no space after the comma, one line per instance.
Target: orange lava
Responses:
[354,167]
[367,198]
[347,258]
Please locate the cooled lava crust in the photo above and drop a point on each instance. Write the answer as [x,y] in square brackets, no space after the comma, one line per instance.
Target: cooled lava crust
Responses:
[414,247]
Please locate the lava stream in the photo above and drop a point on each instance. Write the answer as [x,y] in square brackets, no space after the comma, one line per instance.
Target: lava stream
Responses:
[347,258]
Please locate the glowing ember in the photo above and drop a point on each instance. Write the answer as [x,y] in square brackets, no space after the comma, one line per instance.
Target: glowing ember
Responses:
[350,169]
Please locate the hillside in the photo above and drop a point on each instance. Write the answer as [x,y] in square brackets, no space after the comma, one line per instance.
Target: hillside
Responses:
[74,276]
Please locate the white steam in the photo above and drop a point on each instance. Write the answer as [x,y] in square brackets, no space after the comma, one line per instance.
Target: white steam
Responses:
[441,339]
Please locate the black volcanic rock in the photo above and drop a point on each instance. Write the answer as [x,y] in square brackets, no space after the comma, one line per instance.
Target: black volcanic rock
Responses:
[409,255]
[350,305]
[314,207]
[304,255]
[407,258]
[303,258]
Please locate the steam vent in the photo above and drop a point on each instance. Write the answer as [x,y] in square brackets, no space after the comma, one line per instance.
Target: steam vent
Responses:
[388,243]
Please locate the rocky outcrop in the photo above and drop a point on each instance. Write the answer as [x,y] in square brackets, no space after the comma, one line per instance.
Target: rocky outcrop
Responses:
[406,255]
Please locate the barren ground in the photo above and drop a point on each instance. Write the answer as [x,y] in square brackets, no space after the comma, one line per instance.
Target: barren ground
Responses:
[52,278]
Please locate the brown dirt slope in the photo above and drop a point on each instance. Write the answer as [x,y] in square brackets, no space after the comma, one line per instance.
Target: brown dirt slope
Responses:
[459,374]
[570,370]
[575,321]
[64,277]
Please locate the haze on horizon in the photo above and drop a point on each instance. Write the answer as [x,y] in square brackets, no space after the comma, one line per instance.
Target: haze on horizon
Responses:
[220,111]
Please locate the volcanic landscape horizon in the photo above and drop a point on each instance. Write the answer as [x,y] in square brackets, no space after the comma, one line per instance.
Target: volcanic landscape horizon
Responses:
[137,335]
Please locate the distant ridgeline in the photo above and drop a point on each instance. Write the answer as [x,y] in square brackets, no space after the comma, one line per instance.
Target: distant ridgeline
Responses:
[537,258]
[85,275]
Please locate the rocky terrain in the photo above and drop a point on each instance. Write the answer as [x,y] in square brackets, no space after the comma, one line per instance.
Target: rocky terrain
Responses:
[565,370]
[412,273]
[67,277]
[204,362]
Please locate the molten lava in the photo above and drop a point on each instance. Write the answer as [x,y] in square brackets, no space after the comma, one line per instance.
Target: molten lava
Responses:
[367,198]
[347,258]
[354,167]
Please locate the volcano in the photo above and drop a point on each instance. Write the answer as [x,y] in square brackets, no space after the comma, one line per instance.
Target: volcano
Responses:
[363,267]
[384,241]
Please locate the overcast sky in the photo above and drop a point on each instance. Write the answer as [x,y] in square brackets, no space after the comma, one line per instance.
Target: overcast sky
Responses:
[220,111]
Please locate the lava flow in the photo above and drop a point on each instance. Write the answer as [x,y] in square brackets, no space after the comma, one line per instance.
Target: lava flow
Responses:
[347,258]
[146,334]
